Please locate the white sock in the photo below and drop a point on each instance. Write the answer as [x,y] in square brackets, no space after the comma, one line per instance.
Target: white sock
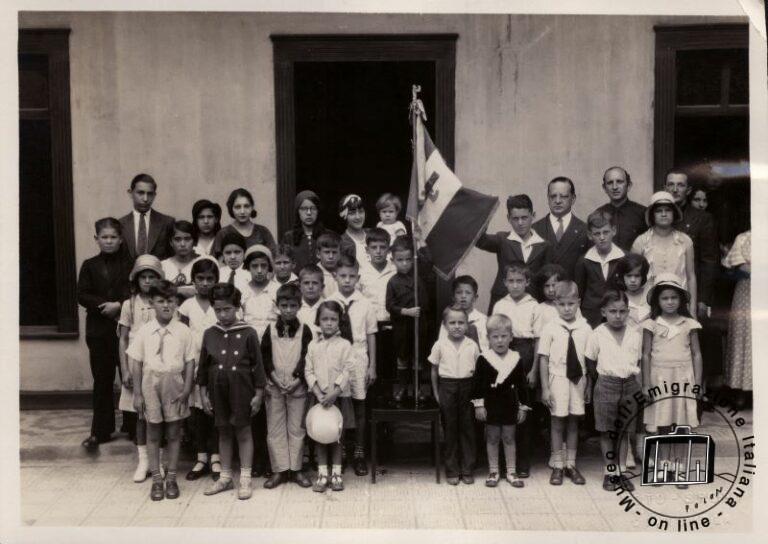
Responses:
[336,471]
[215,458]
[322,470]
[142,452]
[202,457]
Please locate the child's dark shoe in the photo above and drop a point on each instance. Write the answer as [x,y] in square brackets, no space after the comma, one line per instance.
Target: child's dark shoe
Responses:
[556,478]
[492,480]
[360,466]
[467,479]
[301,479]
[626,483]
[523,473]
[258,471]
[575,476]
[171,489]
[200,469]
[276,479]
[157,493]
[215,470]
[91,444]
[452,480]
[608,482]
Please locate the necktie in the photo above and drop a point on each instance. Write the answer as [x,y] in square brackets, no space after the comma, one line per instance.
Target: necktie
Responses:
[163,333]
[141,240]
[231,279]
[559,231]
[572,366]
[472,333]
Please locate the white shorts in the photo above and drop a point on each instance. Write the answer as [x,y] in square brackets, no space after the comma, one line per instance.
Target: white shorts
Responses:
[567,397]
[357,375]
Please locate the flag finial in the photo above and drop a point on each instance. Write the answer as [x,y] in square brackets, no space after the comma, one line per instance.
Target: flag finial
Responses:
[417,107]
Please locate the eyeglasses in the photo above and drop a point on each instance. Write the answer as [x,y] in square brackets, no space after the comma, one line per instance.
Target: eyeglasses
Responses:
[308,209]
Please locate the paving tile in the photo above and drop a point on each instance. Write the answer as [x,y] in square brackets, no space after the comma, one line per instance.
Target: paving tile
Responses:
[534,505]
[441,507]
[439,521]
[582,522]
[60,521]
[488,521]
[153,521]
[483,506]
[115,521]
[292,521]
[536,522]
[391,508]
[40,496]
[393,522]
[344,522]
[334,507]
[77,511]
[568,505]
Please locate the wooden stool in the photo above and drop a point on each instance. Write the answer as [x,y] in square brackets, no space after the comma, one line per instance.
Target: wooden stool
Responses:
[431,414]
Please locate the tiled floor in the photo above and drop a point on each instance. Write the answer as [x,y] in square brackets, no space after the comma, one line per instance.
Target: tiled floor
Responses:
[63,486]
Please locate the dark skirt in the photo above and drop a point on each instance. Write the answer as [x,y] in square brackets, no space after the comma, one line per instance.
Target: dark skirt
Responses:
[609,395]
[232,392]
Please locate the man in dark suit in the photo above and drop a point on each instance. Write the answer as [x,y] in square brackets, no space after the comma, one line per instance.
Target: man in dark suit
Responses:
[629,216]
[521,244]
[566,233]
[144,229]
[700,227]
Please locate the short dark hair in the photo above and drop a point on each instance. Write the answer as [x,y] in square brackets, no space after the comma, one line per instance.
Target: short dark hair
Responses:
[227,292]
[234,195]
[348,262]
[600,218]
[197,208]
[562,179]
[184,226]
[629,262]
[289,291]
[204,266]
[613,295]
[676,170]
[377,235]
[545,273]
[284,250]
[163,288]
[519,267]
[312,270]
[401,243]
[146,178]
[233,238]
[519,202]
[329,240]
[626,174]
[108,223]
[466,279]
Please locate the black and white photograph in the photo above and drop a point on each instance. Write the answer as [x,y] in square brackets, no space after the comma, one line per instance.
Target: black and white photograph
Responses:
[349,270]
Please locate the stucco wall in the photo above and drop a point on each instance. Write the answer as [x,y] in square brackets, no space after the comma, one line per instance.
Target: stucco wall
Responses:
[189,98]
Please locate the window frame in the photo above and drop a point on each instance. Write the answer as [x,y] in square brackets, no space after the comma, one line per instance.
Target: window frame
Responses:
[670,40]
[54,43]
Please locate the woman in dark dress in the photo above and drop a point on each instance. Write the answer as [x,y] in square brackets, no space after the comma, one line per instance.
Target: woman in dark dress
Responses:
[242,210]
[306,229]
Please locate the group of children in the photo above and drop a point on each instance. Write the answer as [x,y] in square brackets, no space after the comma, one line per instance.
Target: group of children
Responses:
[221,338]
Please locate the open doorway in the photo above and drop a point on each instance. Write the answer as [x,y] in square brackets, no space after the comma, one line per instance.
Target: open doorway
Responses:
[352,130]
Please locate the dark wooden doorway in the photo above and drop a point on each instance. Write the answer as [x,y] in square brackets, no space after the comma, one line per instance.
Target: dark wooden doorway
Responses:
[342,118]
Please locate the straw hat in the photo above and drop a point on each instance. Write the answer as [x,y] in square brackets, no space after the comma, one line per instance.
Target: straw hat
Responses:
[324,424]
[146,262]
[668,280]
[662,197]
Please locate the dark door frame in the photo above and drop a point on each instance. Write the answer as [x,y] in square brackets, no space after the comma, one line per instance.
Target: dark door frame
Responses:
[289,49]
[670,40]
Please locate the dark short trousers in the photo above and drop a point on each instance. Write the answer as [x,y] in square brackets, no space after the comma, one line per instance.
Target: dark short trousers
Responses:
[232,391]
[524,348]
[610,394]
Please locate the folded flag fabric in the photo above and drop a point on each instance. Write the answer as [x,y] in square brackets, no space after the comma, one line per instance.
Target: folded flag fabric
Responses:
[449,216]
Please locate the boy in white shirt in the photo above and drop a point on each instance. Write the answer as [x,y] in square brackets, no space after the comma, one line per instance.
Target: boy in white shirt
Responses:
[162,356]
[311,283]
[464,290]
[564,383]
[362,320]
[453,367]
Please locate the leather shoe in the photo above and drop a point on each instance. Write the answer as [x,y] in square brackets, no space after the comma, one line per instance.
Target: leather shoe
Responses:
[276,479]
[171,489]
[360,466]
[575,476]
[301,479]
[91,444]
[157,493]
[467,479]
[193,474]
[557,477]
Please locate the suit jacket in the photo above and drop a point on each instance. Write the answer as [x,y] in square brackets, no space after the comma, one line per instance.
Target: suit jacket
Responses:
[571,246]
[158,236]
[700,227]
[588,275]
[102,279]
[508,251]
[630,222]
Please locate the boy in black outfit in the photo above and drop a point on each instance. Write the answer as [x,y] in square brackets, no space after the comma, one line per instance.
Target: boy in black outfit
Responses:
[102,287]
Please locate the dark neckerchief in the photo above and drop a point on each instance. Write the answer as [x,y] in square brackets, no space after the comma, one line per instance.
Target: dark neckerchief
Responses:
[290,327]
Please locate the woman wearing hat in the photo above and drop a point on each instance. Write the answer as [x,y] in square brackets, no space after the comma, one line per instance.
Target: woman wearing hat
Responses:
[307,227]
[206,223]
[242,210]
[352,212]
[667,250]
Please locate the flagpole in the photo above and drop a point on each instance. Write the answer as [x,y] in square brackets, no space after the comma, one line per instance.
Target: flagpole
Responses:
[415,89]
